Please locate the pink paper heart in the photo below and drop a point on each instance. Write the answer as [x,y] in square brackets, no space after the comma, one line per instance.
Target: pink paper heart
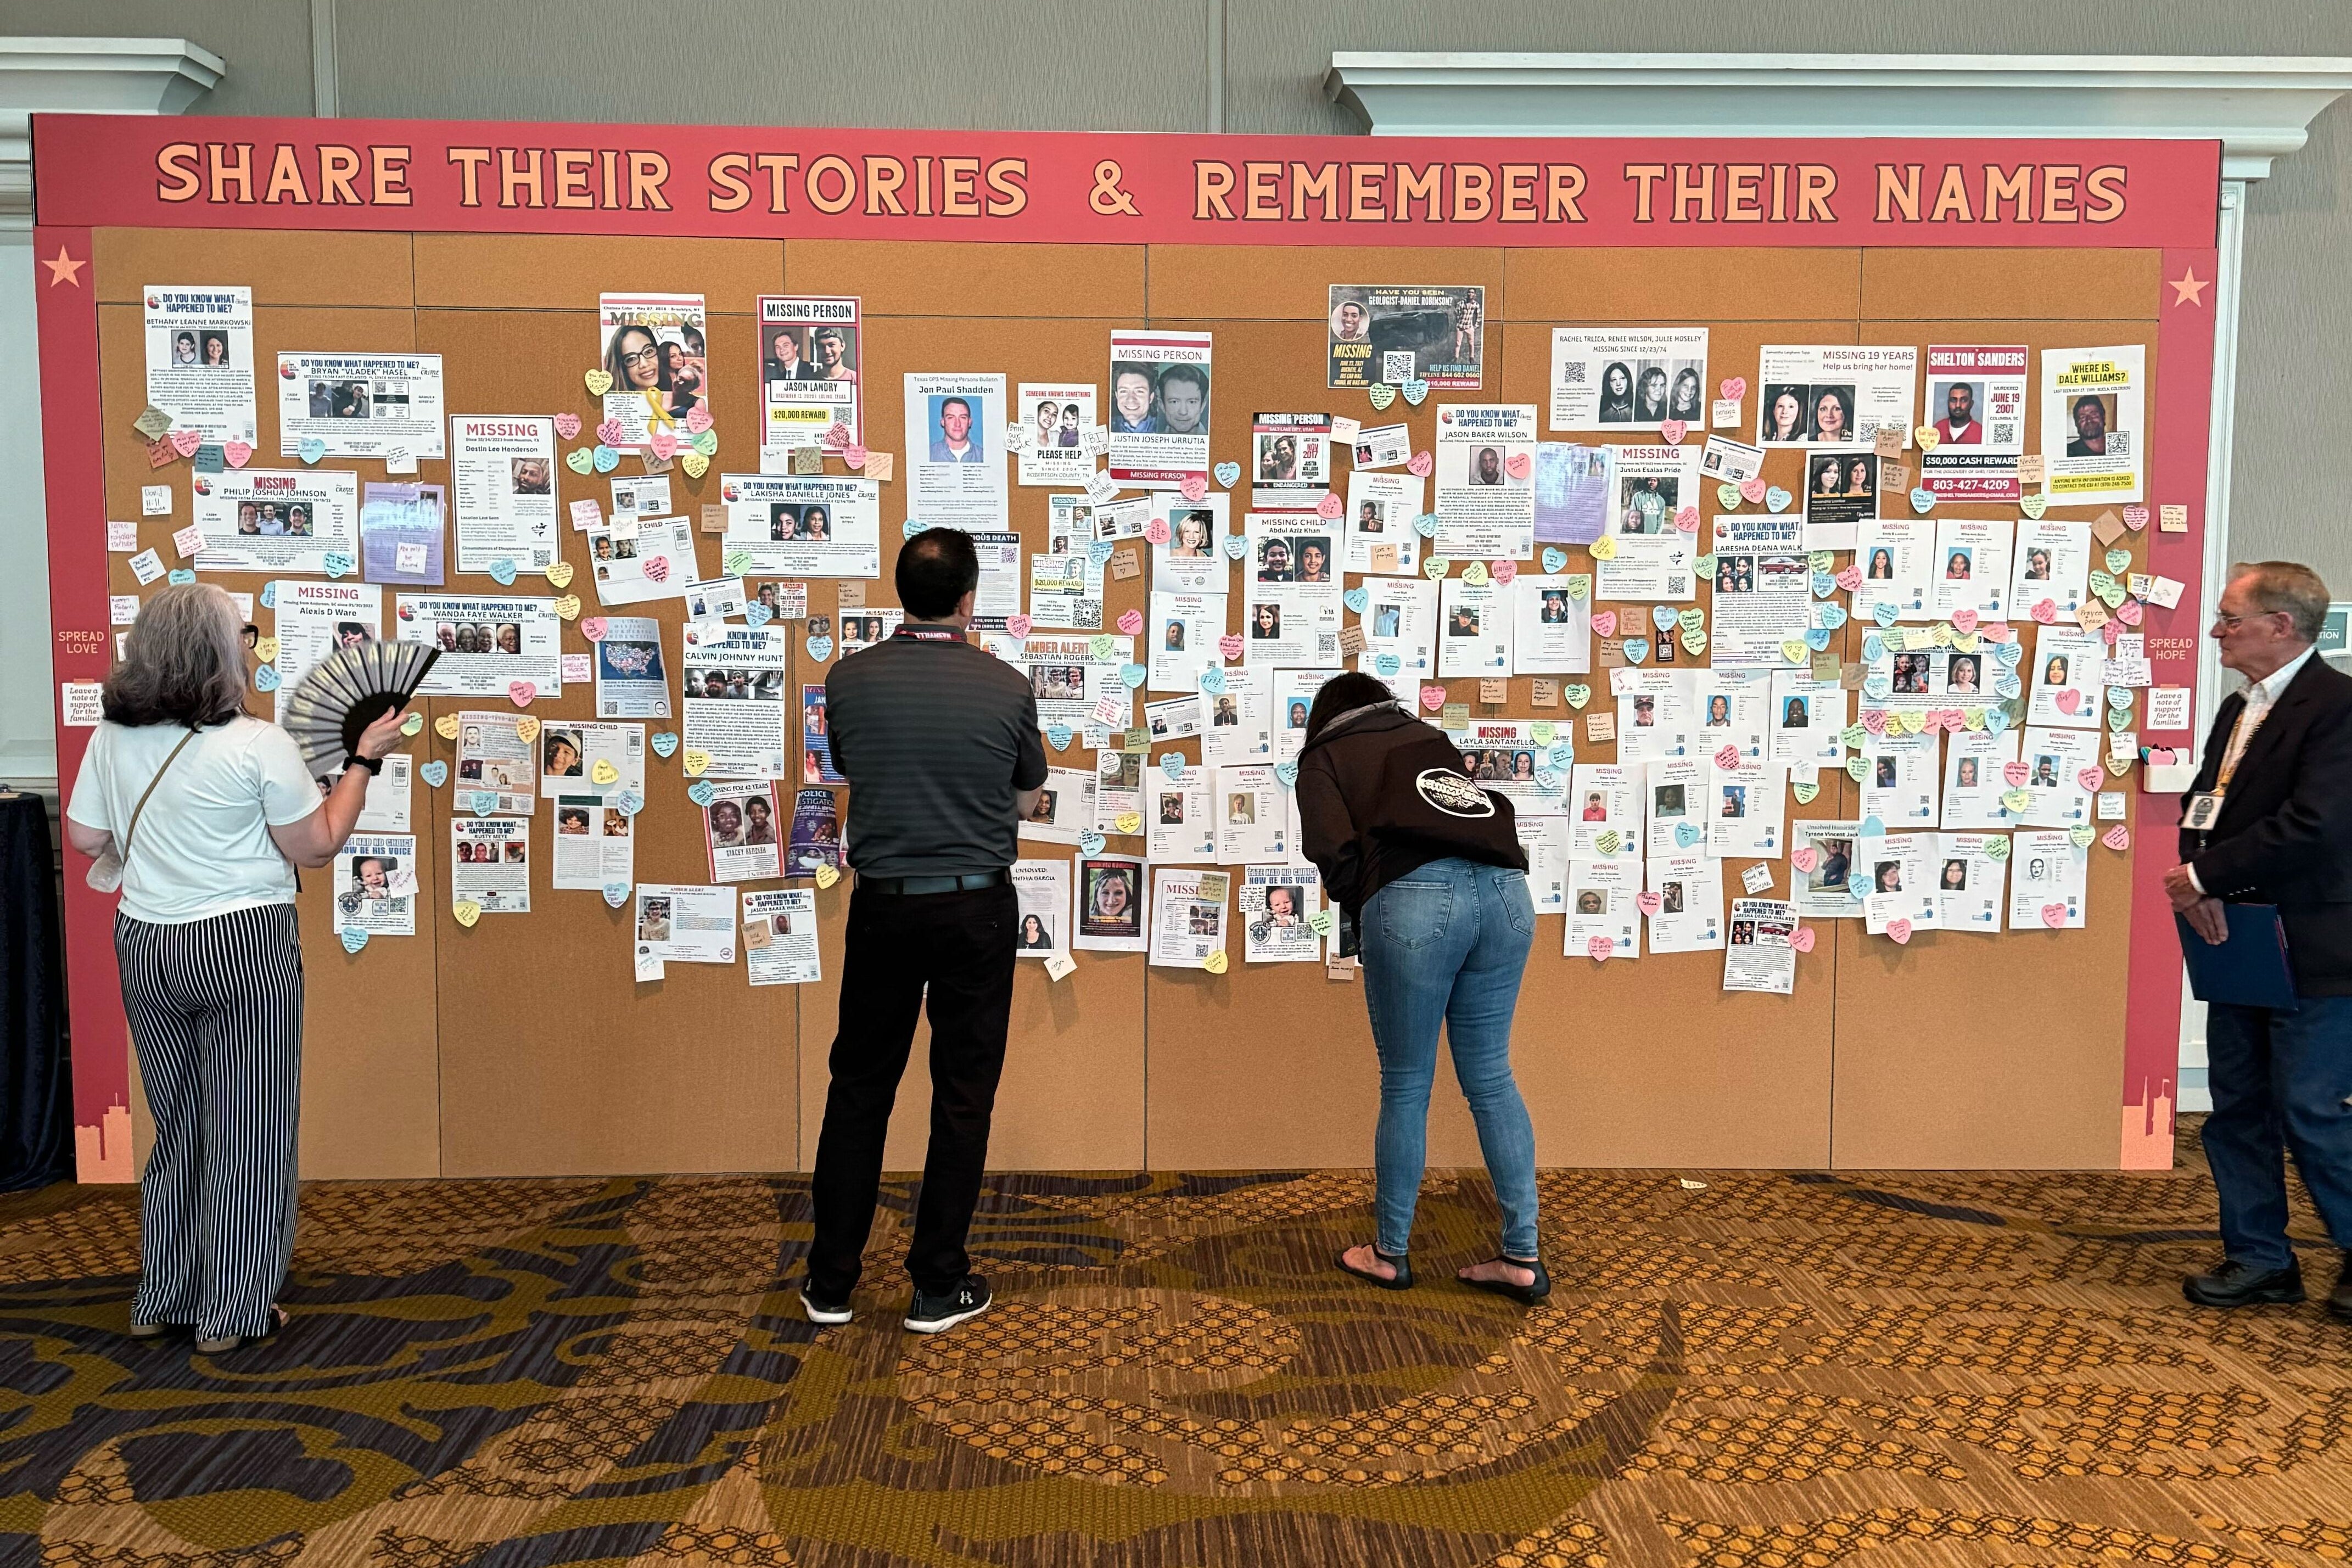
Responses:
[1964,621]
[2016,774]
[1018,625]
[185,442]
[1130,621]
[1650,903]
[1804,858]
[2046,611]
[1330,506]
[2088,778]
[2129,612]
[1604,623]
[2069,701]
[1433,697]
[1518,465]
[1195,487]
[2135,517]
[522,691]
[2116,838]
[1503,570]
[1849,578]
[1674,430]
[1419,464]
[698,420]
[663,443]
[1751,490]
[567,426]
[609,432]
[1230,645]
[237,453]
[1875,720]
[1601,947]
[836,435]
[1728,758]
[1734,387]
[1687,519]
[855,456]
[2113,631]
[592,628]
[2054,916]
[1801,939]
[1900,929]
[2162,756]
[1156,531]
[657,568]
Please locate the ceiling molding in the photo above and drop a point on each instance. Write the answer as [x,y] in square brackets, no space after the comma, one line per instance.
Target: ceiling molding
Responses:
[2258,107]
[88,76]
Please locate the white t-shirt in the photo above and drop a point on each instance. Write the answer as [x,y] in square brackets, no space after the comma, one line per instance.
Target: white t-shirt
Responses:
[202,848]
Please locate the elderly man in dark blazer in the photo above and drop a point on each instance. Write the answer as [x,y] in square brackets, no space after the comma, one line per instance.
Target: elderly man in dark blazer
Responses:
[2269,821]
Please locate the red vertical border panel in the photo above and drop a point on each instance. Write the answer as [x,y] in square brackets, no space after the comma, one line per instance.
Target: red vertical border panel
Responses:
[81,650]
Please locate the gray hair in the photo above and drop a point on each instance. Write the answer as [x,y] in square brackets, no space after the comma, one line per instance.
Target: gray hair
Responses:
[2285,587]
[183,662]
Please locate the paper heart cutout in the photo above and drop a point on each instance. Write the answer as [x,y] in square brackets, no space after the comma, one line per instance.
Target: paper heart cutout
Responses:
[1831,616]
[2136,518]
[1359,599]
[1964,620]
[1875,720]
[1687,519]
[1229,474]
[185,443]
[1018,626]
[1926,438]
[1753,489]
[1425,525]
[237,453]
[698,420]
[1673,431]
[1321,921]
[628,803]
[2053,916]
[1330,507]
[1503,570]
[568,606]
[1727,496]
[1637,650]
[2128,614]
[696,464]
[1235,546]
[1386,665]
[1728,758]
[756,615]
[1900,929]
[1130,621]
[2117,837]
[702,791]
[2015,773]
[353,938]
[1609,841]
[413,725]
[466,911]
[1518,465]
[663,443]
[559,574]
[1733,387]
[664,742]
[609,432]
[606,459]
[1059,736]
[1287,772]
[1599,948]
[1871,826]
[1580,586]
[1433,697]
[1883,613]
[1212,680]
[827,873]
[1649,903]
[337,564]
[657,569]
[1554,558]
[2009,652]
[1132,675]
[446,726]
[1859,768]
[1804,790]
[527,729]
[1414,391]
[1230,645]
[1420,463]
[1604,623]
[2068,700]
[1091,843]
[1662,617]
[1129,821]
[1849,578]
[836,435]
[1172,764]
[1156,531]
[567,426]
[819,649]
[1997,847]
[1801,939]
[1475,573]
[615,894]
[1381,394]
[855,456]
[599,382]
[2034,506]
[1818,639]
[1195,488]
[2087,777]
[1804,858]
[2015,801]
[435,774]
[521,692]
[1777,500]
[580,460]
[604,772]
[1687,833]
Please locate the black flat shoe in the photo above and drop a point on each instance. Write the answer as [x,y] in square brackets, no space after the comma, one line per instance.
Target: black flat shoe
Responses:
[2238,1284]
[1403,1280]
[1525,1295]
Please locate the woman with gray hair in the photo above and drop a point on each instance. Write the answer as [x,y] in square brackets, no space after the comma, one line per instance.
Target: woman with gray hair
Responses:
[201,812]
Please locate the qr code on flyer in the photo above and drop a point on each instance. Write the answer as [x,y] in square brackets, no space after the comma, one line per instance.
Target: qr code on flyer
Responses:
[1086,614]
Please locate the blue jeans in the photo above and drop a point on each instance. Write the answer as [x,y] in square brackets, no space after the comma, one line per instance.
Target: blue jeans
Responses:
[1446,944]
[2279,1082]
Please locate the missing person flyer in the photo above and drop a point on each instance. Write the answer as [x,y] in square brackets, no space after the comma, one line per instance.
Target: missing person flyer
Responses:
[269,520]
[1108,904]
[360,406]
[199,345]
[375,884]
[595,844]
[1397,333]
[1188,916]
[490,863]
[503,469]
[1160,407]
[739,832]
[630,680]
[488,645]
[779,945]
[802,527]
[1054,423]
[1290,461]
[1614,379]
[1761,955]
[400,533]
[314,619]
[495,764]
[956,466]
[1041,889]
[810,351]
[1834,394]
[682,922]
[2093,432]
[734,695]
[816,833]
[655,351]
[580,758]
[1277,902]
[1976,406]
[1486,490]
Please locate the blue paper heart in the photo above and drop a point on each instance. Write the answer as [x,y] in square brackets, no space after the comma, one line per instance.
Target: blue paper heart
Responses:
[1228,474]
[910,528]
[1414,390]
[1562,755]
[1172,763]
[616,894]
[1874,647]
[1287,772]
[1857,888]
[481,802]
[607,459]
[179,577]
[1547,778]
[267,678]
[1824,585]
[2120,696]
[269,595]
[1923,499]
[819,649]
[312,448]
[702,791]
[1386,665]
[1662,617]
[1778,498]
[1817,637]
[1884,612]
[503,572]
[1554,559]
[1212,680]
[2008,652]
[1996,720]
[665,742]
[2006,685]
[1425,525]
[1877,688]
[1090,842]
[1686,834]
[1132,675]
[338,564]
[354,939]
[1059,734]
[1831,616]
[1636,649]
[1872,827]
[1235,546]
[1098,551]
[1357,598]
[757,615]
[628,803]
[435,774]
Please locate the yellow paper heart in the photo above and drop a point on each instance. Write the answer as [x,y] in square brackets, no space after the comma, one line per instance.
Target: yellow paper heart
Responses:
[1216,962]
[2119,766]
[599,382]
[1129,822]
[527,727]
[413,725]
[1964,642]
[1939,635]
[559,574]
[604,772]
[1475,573]
[1796,650]
[1604,549]
[1912,721]
[446,726]
[568,606]
[695,464]
[1927,438]
[467,910]
[696,761]
[266,650]
[826,875]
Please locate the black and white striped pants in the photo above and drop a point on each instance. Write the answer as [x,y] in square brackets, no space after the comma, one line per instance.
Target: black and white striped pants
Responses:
[216,1010]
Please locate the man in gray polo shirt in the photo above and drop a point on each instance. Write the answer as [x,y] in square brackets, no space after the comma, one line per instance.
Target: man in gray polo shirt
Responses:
[938,741]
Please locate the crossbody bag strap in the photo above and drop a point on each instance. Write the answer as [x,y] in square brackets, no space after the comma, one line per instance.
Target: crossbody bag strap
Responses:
[150,790]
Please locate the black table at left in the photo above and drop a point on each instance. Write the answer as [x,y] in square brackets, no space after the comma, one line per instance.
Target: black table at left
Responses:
[37,1142]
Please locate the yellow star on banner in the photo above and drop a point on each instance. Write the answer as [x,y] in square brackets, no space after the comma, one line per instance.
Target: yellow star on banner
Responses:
[2189,289]
[64,269]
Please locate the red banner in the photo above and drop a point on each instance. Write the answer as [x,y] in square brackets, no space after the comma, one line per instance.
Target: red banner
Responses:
[94,171]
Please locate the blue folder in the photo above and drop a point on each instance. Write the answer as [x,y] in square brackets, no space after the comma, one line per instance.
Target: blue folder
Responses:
[2248,970]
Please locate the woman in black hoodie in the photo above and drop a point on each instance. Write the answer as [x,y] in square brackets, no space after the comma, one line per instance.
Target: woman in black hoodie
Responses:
[1446,923]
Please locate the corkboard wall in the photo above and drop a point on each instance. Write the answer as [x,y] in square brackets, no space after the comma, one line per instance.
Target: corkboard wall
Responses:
[521,1047]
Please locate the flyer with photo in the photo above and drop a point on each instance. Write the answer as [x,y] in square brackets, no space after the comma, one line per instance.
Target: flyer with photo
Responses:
[1239,724]
[1040,890]
[816,741]
[652,348]
[684,923]
[1898,780]
[1065,811]
[955,467]
[1760,956]
[1834,394]
[1486,481]
[1732,710]
[1603,905]
[387,806]
[1689,916]
[579,758]
[490,863]
[503,469]
[1188,915]
[1976,775]
[1746,809]
[1160,406]
[1821,868]
[314,619]
[2067,670]
[1504,756]
[1393,333]
[1054,423]
[861,629]
[780,945]
[487,643]
[1381,539]
[1976,406]
[1970,882]
[498,769]
[1294,698]
[1545,842]
[1291,604]
[1182,630]
[1400,621]
[2094,425]
[1653,485]
[2048,883]
[1807,720]
[2056,764]
[2053,560]
[805,526]
[1065,675]
[1066,591]
[1894,554]
[1650,567]
[270,519]
[400,533]
[811,350]
[1972,566]
[1277,905]
[1654,714]
[630,680]
[1576,493]
[735,708]
[1474,626]
[635,560]
[1108,915]
[1616,378]
[1252,815]
[643,496]
[1118,789]
[360,406]
[1552,626]
[1193,559]
[199,343]
[739,833]
[1290,459]
[595,844]
[1177,816]
[816,833]
[1841,490]
[1763,589]
[375,884]
[1606,801]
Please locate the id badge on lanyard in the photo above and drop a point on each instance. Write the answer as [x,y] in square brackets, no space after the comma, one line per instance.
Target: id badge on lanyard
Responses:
[2204,811]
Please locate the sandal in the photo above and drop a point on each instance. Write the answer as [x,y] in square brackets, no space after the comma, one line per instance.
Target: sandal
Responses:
[151,1331]
[1525,1295]
[1402,1281]
[227,1342]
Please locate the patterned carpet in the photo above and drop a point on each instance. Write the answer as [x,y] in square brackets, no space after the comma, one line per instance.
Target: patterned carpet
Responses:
[1770,1371]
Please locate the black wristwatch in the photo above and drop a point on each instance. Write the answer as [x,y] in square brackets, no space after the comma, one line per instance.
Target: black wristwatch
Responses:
[374,766]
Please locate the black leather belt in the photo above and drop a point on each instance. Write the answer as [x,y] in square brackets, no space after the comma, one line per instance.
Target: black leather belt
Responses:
[915,885]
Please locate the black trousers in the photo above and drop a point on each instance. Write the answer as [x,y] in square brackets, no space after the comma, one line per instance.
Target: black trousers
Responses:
[960,946]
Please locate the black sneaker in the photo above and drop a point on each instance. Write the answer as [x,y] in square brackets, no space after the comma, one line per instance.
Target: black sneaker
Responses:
[931,1314]
[2236,1284]
[820,1311]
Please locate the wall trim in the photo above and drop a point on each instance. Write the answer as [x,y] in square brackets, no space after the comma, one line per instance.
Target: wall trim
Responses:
[2258,107]
[88,76]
